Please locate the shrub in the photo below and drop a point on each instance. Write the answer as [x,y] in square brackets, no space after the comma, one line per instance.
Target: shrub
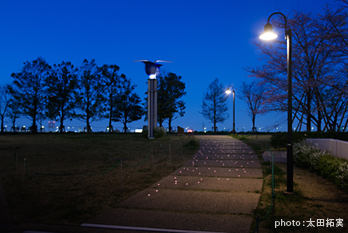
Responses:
[158,132]
[302,152]
[144,133]
[341,176]
[192,143]
[278,140]
[322,163]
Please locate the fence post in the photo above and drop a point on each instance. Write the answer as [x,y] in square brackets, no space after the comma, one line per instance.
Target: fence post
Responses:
[181,148]
[16,163]
[152,157]
[83,183]
[83,192]
[170,155]
[32,189]
[273,214]
[121,178]
[25,160]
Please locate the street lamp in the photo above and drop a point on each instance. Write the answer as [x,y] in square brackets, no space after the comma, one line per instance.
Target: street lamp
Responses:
[228,91]
[270,35]
[152,69]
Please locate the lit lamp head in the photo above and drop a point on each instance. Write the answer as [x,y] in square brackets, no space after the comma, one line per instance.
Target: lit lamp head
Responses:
[268,34]
[152,69]
[228,91]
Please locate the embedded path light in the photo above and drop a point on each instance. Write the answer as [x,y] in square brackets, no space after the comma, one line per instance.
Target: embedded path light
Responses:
[270,35]
[152,69]
[228,91]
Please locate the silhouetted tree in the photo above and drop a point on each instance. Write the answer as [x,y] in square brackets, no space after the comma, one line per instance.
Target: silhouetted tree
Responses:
[111,81]
[161,99]
[28,89]
[170,90]
[253,95]
[89,96]
[5,99]
[127,107]
[14,112]
[214,106]
[13,109]
[62,84]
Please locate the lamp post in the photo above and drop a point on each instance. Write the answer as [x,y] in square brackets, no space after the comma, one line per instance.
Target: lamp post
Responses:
[270,35]
[152,69]
[228,91]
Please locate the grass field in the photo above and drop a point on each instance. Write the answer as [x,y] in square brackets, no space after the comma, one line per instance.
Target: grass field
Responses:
[315,198]
[69,178]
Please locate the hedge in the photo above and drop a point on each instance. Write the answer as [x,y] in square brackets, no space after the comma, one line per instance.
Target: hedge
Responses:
[322,163]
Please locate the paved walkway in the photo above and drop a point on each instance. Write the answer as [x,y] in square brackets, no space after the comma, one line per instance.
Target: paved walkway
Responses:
[216,191]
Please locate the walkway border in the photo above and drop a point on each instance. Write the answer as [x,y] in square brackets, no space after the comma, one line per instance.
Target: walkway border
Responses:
[142,228]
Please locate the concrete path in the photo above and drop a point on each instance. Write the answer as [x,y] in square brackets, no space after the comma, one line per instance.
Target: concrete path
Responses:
[216,191]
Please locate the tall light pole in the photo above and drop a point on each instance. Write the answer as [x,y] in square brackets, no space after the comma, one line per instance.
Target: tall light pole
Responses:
[270,35]
[228,91]
[152,69]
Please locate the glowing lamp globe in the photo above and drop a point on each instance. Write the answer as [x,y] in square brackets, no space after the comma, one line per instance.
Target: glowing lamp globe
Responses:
[268,33]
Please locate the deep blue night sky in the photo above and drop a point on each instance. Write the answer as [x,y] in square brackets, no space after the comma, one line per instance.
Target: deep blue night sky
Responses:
[203,39]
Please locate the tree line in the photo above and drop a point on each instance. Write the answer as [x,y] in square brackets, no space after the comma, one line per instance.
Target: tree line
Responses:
[87,93]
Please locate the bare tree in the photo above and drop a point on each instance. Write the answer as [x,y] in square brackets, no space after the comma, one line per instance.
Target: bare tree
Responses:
[214,106]
[317,57]
[253,95]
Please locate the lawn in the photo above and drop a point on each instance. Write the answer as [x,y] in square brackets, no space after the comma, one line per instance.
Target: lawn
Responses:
[70,178]
[315,198]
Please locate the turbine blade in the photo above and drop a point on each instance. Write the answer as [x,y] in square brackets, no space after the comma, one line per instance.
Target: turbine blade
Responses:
[162,61]
[142,61]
